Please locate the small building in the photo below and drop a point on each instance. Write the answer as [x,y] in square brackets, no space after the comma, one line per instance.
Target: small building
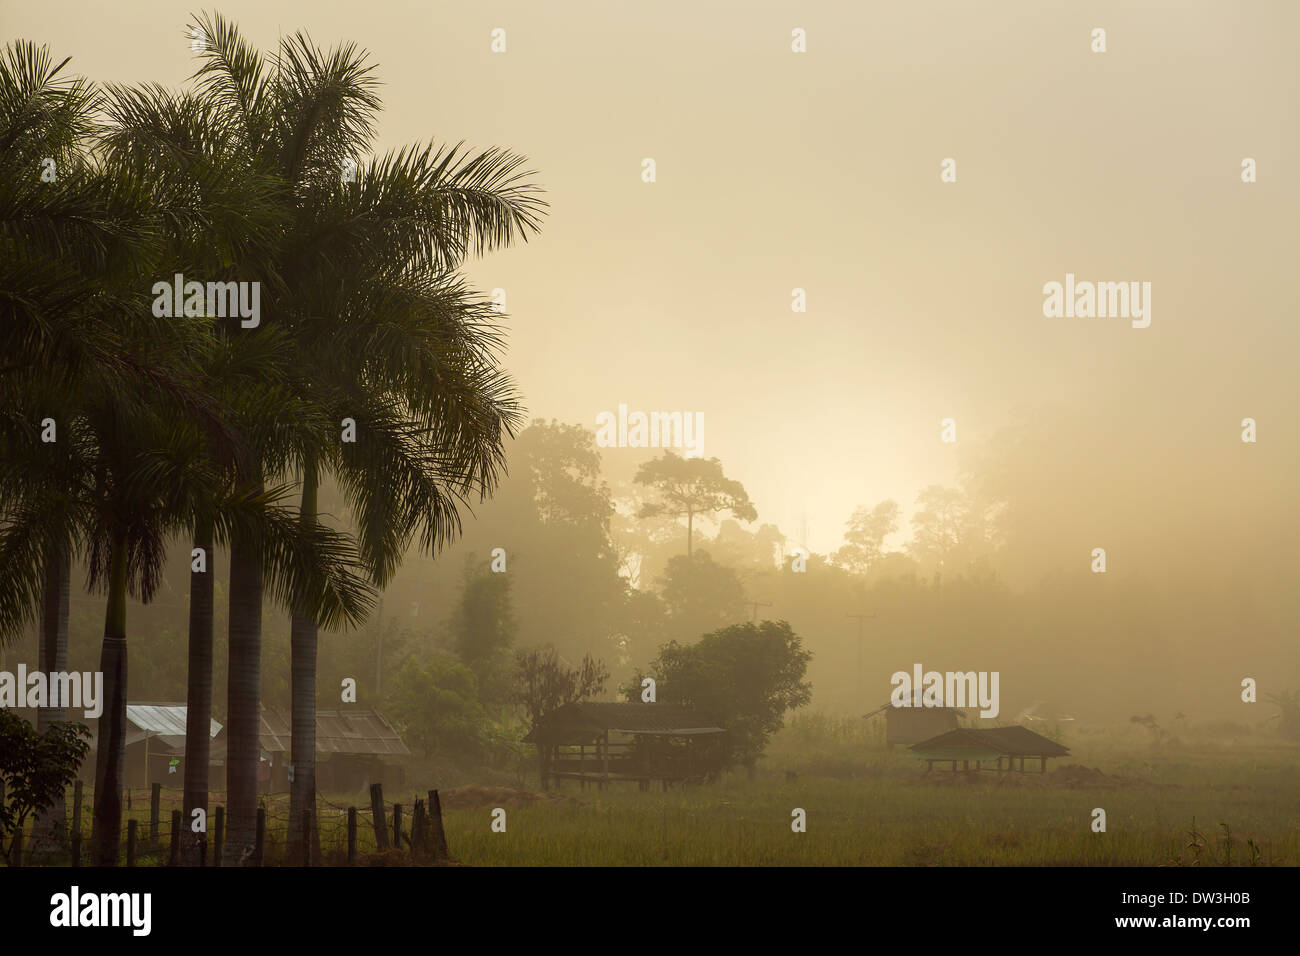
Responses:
[991,746]
[603,742]
[154,751]
[354,748]
[911,725]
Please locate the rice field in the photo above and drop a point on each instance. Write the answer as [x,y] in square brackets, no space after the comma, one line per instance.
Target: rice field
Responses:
[1212,803]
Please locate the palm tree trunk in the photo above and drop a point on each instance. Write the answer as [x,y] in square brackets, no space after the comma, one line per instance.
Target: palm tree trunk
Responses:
[243,689]
[49,832]
[303,646]
[198,699]
[106,832]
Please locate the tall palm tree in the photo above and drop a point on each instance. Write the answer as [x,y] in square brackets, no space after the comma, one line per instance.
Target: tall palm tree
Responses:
[176,140]
[383,333]
[135,425]
[70,237]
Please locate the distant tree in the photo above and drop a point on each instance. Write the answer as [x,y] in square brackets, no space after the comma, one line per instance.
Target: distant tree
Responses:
[35,770]
[544,682]
[701,595]
[745,676]
[551,519]
[436,703]
[692,486]
[748,551]
[864,541]
[483,629]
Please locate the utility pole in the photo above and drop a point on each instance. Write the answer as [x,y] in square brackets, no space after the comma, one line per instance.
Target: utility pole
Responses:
[756,605]
[861,618]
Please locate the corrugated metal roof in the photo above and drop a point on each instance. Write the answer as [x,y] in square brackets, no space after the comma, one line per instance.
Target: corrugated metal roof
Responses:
[645,719]
[361,732]
[356,732]
[162,719]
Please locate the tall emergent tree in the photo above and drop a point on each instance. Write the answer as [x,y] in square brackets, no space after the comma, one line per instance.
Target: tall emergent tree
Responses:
[690,487]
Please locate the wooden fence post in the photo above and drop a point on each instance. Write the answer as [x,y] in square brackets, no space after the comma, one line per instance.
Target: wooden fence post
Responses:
[259,848]
[219,845]
[174,857]
[377,811]
[438,836]
[352,836]
[419,824]
[397,825]
[155,803]
[132,834]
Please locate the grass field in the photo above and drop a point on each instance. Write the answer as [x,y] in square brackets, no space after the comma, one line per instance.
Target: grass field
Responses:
[889,822]
[869,807]
[866,806]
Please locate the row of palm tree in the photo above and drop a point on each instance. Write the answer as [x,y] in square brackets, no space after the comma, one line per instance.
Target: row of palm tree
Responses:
[198,428]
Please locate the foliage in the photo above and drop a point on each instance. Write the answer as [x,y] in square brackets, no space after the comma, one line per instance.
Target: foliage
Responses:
[35,769]
[436,705]
[864,541]
[545,682]
[692,486]
[700,595]
[483,629]
[745,677]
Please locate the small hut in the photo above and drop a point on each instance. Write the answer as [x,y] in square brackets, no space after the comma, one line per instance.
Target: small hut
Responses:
[603,742]
[991,746]
[354,748]
[154,750]
[911,725]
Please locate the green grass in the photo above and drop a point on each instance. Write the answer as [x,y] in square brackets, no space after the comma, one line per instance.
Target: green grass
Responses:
[879,823]
[869,807]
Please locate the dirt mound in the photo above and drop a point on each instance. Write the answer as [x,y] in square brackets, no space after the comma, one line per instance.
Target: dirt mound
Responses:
[474,797]
[1076,776]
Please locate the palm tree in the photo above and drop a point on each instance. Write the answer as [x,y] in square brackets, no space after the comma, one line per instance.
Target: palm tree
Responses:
[132,460]
[383,332]
[176,141]
[70,236]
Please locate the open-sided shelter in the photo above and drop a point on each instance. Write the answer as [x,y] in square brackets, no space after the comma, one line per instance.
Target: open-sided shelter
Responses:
[992,745]
[603,742]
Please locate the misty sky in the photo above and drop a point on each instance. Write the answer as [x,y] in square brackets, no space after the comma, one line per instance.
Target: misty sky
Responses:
[821,171]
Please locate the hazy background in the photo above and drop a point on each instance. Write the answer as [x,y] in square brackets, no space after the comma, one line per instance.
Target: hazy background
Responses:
[821,171]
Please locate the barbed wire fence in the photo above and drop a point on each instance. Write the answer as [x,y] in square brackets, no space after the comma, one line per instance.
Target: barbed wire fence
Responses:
[156,833]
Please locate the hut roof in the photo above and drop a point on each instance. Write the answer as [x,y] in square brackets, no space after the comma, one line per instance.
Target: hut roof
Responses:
[969,743]
[163,724]
[918,704]
[360,732]
[164,721]
[668,720]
